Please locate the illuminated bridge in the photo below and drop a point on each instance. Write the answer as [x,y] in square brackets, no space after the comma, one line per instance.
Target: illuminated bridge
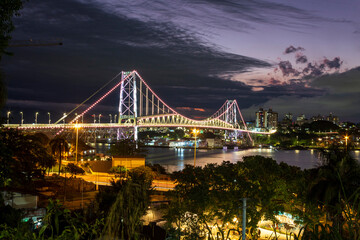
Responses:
[141,107]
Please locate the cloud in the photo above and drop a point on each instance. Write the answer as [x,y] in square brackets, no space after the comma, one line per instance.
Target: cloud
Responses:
[207,16]
[335,63]
[341,97]
[287,69]
[300,58]
[312,70]
[292,49]
[184,108]
[257,89]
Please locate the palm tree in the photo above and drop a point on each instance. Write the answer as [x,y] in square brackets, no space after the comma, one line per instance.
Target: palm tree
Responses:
[335,180]
[59,145]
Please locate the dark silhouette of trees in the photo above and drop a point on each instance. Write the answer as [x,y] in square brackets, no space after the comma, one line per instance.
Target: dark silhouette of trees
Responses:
[125,147]
[337,178]
[214,193]
[22,158]
[8,9]
[58,146]
[74,169]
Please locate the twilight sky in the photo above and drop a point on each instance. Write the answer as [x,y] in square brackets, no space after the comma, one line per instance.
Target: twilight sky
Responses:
[291,56]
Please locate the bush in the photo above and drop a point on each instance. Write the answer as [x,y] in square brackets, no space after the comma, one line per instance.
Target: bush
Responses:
[74,169]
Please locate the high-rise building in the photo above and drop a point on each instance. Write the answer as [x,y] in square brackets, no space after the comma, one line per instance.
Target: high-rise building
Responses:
[271,119]
[260,118]
[288,116]
[266,119]
[301,119]
[332,118]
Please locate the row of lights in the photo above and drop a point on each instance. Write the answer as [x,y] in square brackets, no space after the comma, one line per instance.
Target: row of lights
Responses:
[64,116]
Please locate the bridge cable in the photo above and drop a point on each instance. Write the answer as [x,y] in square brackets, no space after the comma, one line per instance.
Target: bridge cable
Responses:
[92,95]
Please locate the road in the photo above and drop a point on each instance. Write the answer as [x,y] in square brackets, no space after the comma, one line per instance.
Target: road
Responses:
[104,179]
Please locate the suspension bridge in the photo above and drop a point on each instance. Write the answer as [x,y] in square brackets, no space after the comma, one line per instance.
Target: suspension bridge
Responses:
[141,107]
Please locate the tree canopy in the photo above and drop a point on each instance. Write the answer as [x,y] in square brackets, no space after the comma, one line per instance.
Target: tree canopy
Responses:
[22,158]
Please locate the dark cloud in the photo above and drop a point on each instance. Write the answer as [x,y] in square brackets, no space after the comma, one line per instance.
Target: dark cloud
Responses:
[340,95]
[273,81]
[335,63]
[301,58]
[210,14]
[292,49]
[287,69]
[312,70]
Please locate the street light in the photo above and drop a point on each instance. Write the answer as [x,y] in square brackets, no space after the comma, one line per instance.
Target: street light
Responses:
[195,132]
[115,118]
[22,118]
[49,117]
[110,117]
[36,114]
[8,117]
[346,140]
[99,117]
[77,126]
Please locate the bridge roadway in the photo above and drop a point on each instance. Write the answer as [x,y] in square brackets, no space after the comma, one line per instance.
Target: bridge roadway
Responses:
[126,125]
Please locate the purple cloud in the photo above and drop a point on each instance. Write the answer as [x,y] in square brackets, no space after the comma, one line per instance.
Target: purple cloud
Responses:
[292,49]
[287,69]
[335,63]
[313,70]
[301,58]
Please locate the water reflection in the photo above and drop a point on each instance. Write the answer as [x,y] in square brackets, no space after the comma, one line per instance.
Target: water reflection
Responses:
[174,159]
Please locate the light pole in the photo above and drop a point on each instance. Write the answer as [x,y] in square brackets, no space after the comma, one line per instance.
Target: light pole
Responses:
[77,126]
[49,117]
[244,220]
[99,117]
[346,140]
[110,117]
[195,132]
[22,118]
[115,118]
[64,117]
[8,117]
[36,115]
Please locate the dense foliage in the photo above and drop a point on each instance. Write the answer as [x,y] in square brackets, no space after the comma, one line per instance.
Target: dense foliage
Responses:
[22,158]
[214,195]
[124,148]
[325,200]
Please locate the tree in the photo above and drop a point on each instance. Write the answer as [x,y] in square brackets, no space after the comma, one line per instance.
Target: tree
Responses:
[119,171]
[74,169]
[124,219]
[157,168]
[59,145]
[333,181]
[8,9]
[23,158]
[125,147]
[212,196]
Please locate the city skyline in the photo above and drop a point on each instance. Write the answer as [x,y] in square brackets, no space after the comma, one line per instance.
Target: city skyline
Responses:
[299,57]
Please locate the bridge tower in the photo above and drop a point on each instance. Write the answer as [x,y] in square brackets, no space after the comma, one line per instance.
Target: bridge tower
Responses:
[230,117]
[128,111]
